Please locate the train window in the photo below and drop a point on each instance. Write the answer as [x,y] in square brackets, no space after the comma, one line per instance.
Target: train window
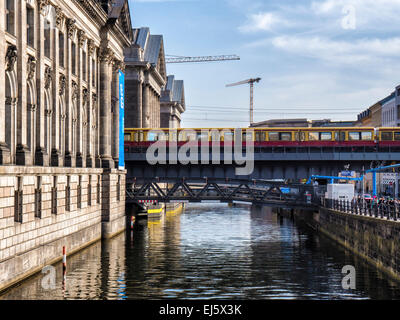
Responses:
[228,136]
[215,135]
[340,136]
[313,136]
[151,136]
[173,136]
[285,136]
[138,136]
[202,136]
[366,136]
[354,136]
[127,137]
[273,136]
[326,136]
[397,136]
[260,136]
[387,136]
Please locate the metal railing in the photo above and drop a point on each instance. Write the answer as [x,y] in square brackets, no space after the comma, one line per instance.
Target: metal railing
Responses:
[389,210]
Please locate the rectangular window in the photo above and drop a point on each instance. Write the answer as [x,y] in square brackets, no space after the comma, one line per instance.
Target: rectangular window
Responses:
[79,192]
[366,136]
[285,136]
[68,195]
[326,136]
[10,16]
[93,73]
[98,190]
[127,137]
[354,136]
[47,40]
[30,26]
[54,197]
[89,195]
[387,136]
[119,189]
[397,136]
[38,198]
[313,136]
[273,136]
[61,57]
[84,68]
[73,58]
[260,136]
[18,201]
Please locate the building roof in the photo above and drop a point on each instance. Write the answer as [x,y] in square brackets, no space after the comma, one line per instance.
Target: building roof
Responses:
[388,98]
[152,45]
[174,91]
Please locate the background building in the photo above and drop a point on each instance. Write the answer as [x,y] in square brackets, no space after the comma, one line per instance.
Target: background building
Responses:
[145,78]
[301,123]
[172,103]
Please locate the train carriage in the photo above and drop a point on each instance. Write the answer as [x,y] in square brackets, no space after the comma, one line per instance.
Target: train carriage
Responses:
[267,137]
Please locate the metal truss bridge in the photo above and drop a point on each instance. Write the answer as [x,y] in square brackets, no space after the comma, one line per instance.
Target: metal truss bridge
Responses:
[258,192]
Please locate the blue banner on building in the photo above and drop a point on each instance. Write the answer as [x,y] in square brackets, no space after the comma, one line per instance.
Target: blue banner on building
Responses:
[121,164]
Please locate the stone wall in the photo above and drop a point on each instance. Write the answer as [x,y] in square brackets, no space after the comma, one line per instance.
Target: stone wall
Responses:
[374,239]
[33,233]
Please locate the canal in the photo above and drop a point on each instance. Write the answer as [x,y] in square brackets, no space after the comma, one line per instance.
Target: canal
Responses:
[211,251]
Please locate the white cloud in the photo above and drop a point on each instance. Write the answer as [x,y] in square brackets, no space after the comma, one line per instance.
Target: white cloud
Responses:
[369,13]
[339,52]
[262,21]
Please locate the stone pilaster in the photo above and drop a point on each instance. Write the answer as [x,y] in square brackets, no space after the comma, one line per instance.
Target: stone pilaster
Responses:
[146,106]
[40,152]
[69,156]
[56,153]
[23,156]
[5,157]
[106,57]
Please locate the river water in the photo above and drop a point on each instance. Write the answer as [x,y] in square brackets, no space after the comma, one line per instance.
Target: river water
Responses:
[211,251]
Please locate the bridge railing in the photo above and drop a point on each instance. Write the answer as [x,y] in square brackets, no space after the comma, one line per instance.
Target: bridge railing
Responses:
[389,210]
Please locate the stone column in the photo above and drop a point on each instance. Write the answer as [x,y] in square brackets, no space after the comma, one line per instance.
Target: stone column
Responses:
[106,57]
[56,155]
[140,104]
[115,118]
[89,106]
[4,150]
[80,154]
[22,151]
[146,107]
[40,152]
[69,158]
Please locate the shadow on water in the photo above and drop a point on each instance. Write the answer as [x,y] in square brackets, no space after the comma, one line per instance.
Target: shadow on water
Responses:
[212,252]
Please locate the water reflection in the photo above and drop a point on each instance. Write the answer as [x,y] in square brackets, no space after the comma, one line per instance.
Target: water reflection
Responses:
[212,252]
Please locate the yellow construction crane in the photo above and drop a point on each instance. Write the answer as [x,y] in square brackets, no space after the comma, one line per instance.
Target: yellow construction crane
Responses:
[251,82]
[179,59]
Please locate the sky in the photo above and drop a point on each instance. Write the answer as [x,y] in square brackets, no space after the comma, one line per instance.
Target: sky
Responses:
[318,59]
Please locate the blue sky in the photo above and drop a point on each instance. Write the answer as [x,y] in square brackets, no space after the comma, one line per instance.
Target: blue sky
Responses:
[318,59]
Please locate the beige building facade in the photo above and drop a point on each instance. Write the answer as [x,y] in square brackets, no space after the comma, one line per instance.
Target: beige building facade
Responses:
[59,128]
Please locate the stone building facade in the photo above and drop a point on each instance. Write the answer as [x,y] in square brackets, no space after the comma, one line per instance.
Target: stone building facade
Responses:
[172,103]
[145,79]
[59,128]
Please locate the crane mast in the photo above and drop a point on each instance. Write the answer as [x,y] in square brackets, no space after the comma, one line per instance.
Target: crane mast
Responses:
[251,82]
